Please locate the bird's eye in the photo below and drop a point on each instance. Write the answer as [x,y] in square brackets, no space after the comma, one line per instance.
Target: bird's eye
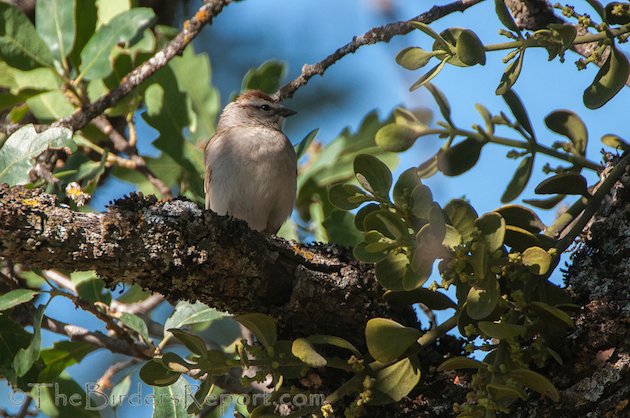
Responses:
[266,108]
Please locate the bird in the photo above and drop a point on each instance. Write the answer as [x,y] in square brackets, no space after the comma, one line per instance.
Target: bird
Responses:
[251,166]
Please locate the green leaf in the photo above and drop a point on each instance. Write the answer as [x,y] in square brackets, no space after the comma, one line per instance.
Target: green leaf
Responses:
[154,373]
[303,145]
[429,75]
[437,222]
[17,155]
[187,313]
[535,382]
[359,219]
[460,157]
[263,326]
[205,104]
[470,49]
[519,180]
[20,45]
[265,78]
[511,73]
[597,6]
[564,183]
[546,309]
[519,239]
[396,137]
[413,58]
[537,259]
[492,228]
[362,253]
[395,382]
[462,216]
[427,30]
[12,338]
[347,196]
[335,341]
[193,342]
[373,174]
[482,300]
[175,363]
[391,270]
[504,393]
[304,350]
[135,323]
[55,24]
[521,217]
[429,167]
[61,356]
[545,203]
[442,102]
[610,78]
[456,363]
[404,187]
[567,123]
[96,55]
[504,15]
[487,117]
[518,110]
[173,404]
[339,226]
[50,106]
[198,401]
[566,32]
[85,16]
[26,357]
[90,287]
[387,340]
[119,392]
[50,399]
[421,267]
[421,201]
[16,297]
[433,300]
[617,13]
[615,141]
[501,330]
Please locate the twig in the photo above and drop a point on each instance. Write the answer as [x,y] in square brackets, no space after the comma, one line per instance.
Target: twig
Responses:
[136,161]
[379,34]
[192,27]
[23,412]
[105,382]
[98,339]
[141,307]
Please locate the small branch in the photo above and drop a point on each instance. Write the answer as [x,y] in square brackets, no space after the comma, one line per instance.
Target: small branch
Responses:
[97,339]
[375,35]
[137,162]
[105,382]
[142,307]
[23,412]
[192,28]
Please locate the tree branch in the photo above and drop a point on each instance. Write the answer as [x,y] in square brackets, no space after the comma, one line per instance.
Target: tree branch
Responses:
[375,35]
[176,249]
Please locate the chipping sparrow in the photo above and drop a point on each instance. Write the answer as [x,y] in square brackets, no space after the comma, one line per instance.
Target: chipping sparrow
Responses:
[251,167]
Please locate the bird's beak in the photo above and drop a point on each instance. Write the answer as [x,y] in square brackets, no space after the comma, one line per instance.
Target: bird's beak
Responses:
[286,112]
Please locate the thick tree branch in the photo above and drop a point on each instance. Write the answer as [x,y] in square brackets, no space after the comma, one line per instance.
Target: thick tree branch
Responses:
[375,35]
[176,249]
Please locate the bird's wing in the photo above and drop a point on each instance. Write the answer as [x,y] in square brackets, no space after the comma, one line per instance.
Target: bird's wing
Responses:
[208,175]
